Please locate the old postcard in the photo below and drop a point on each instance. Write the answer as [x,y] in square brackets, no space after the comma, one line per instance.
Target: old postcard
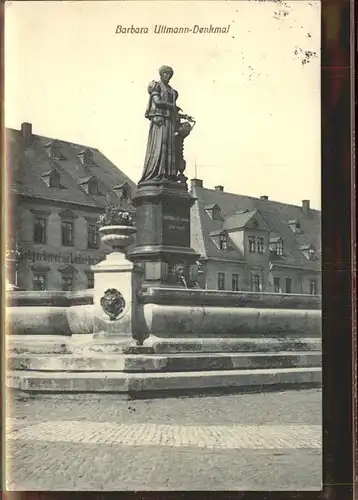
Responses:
[163,164]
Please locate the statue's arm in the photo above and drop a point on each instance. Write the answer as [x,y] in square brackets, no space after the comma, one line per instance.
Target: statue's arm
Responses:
[162,104]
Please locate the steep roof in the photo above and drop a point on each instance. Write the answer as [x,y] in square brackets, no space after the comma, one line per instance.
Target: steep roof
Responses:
[26,166]
[277,216]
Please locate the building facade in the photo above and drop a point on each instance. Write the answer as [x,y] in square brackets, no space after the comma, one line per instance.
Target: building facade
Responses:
[255,244]
[57,190]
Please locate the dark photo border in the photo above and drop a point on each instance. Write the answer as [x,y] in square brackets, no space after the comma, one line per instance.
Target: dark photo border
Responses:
[339,301]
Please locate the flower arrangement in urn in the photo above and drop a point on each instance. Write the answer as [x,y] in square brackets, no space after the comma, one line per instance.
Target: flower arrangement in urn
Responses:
[117,226]
[116,215]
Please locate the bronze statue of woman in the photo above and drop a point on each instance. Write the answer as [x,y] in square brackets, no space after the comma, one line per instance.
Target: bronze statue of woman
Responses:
[160,159]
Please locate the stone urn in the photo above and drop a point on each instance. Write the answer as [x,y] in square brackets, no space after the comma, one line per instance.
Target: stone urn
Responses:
[118,237]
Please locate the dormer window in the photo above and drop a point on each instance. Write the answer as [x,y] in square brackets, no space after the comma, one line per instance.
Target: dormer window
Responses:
[213,211]
[276,246]
[295,226]
[216,213]
[223,243]
[90,185]
[279,247]
[309,251]
[54,150]
[221,239]
[52,178]
[124,191]
[86,157]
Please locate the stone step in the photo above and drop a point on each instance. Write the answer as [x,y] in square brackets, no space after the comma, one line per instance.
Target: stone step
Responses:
[47,344]
[56,344]
[246,344]
[38,344]
[156,384]
[162,363]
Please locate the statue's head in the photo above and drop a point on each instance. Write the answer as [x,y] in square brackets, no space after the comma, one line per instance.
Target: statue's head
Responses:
[166,73]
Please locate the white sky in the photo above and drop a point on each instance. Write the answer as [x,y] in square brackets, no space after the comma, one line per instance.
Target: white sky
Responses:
[257,106]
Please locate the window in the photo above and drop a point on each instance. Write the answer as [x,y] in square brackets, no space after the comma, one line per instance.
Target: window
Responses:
[93,236]
[213,211]
[256,244]
[88,157]
[67,233]
[40,230]
[276,285]
[67,283]
[56,152]
[54,149]
[235,282]
[221,281]
[90,280]
[52,178]
[312,253]
[92,187]
[260,245]
[89,184]
[126,192]
[39,282]
[279,247]
[288,285]
[216,213]
[223,241]
[123,191]
[295,225]
[313,287]
[252,244]
[256,283]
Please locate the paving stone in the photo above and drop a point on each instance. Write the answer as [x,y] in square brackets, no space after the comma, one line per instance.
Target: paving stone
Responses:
[268,441]
[286,407]
[236,436]
[67,466]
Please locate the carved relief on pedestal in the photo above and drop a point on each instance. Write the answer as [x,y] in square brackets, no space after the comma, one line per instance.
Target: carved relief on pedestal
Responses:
[113,303]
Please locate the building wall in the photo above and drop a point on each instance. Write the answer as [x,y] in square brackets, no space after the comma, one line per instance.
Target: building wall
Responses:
[306,282]
[300,279]
[51,257]
[281,275]
[214,267]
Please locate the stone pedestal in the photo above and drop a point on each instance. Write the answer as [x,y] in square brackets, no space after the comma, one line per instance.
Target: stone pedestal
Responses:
[163,233]
[116,286]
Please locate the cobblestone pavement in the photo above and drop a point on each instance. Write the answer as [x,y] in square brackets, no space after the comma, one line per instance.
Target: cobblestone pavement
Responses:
[216,436]
[231,442]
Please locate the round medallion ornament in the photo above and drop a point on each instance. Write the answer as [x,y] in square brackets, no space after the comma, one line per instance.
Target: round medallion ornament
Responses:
[112,303]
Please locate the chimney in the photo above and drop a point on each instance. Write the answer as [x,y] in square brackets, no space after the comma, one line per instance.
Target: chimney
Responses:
[264,197]
[306,206]
[219,188]
[196,183]
[26,132]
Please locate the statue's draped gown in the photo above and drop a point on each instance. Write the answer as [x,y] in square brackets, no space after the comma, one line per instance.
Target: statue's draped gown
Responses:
[159,160]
